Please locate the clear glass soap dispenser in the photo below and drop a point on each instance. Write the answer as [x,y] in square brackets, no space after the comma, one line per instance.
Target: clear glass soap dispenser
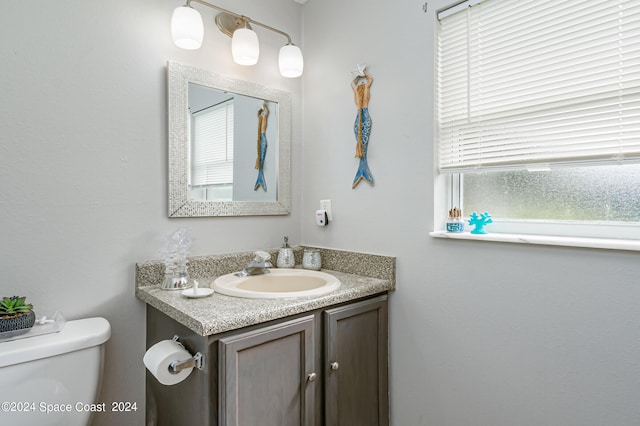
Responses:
[285,256]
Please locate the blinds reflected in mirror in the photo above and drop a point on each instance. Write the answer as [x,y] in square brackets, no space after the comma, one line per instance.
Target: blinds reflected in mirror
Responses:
[212,145]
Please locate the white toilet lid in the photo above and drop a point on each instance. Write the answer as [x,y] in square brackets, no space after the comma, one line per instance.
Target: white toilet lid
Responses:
[75,335]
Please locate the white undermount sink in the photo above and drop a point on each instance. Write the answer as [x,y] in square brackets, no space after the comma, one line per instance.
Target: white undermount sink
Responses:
[278,284]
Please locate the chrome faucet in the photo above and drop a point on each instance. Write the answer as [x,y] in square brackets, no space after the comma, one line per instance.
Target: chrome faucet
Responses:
[258,266]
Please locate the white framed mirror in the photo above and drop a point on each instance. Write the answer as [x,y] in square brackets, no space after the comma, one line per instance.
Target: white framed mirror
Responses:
[237,119]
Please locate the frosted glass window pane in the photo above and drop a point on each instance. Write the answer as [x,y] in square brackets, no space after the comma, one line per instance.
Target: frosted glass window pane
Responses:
[597,193]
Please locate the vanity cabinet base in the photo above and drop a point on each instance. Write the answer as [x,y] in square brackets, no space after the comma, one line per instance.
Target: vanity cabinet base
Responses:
[325,367]
[267,376]
[356,368]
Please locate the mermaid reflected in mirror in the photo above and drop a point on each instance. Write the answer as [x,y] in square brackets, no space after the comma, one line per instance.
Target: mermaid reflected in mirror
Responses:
[361,85]
[263,114]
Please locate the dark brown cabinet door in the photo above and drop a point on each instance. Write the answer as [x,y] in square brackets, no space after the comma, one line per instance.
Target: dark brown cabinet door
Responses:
[356,364]
[267,376]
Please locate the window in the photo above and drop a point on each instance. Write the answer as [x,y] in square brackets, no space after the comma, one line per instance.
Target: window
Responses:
[212,145]
[538,111]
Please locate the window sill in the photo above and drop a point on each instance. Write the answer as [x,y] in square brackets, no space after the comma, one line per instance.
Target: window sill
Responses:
[598,243]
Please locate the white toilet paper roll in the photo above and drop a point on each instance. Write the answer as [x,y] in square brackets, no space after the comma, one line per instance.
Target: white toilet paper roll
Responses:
[160,356]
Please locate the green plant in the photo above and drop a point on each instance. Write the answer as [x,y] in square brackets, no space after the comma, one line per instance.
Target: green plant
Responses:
[14,306]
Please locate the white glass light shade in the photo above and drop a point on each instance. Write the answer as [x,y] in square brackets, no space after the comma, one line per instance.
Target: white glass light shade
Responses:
[245,47]
[290,61]
[187,28]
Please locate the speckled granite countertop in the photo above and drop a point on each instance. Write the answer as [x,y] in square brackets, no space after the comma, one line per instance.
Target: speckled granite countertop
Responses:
[361,275]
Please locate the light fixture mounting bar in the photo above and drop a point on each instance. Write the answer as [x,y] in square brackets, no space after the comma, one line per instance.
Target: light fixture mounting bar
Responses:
[240,17]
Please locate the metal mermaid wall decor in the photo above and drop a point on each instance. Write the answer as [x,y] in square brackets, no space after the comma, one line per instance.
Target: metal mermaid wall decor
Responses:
[263,115]
[361,86]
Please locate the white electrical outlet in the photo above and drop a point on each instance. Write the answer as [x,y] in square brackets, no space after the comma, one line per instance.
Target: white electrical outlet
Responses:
[326,205]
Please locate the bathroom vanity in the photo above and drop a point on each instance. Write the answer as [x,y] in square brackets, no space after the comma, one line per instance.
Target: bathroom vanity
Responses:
[304,361]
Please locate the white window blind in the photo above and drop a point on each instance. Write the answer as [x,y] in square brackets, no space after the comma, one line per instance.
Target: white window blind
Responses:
[212,150]
[524,84]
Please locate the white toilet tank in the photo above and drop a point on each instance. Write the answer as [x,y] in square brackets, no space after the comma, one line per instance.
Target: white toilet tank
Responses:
[54,379]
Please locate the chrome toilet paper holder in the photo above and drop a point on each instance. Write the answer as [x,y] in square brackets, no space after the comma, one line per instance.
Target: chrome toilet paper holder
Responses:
[196,360]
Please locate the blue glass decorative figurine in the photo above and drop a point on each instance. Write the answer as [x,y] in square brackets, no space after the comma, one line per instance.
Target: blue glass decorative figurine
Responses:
[479,222]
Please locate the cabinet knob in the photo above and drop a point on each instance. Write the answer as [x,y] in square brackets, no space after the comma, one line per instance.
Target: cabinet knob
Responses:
[311,377]
[334,365]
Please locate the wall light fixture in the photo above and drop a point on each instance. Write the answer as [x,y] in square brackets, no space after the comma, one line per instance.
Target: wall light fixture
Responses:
[187,29]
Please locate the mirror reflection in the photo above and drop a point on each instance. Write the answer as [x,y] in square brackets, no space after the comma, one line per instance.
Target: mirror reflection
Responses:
[233,147]
[229,146]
